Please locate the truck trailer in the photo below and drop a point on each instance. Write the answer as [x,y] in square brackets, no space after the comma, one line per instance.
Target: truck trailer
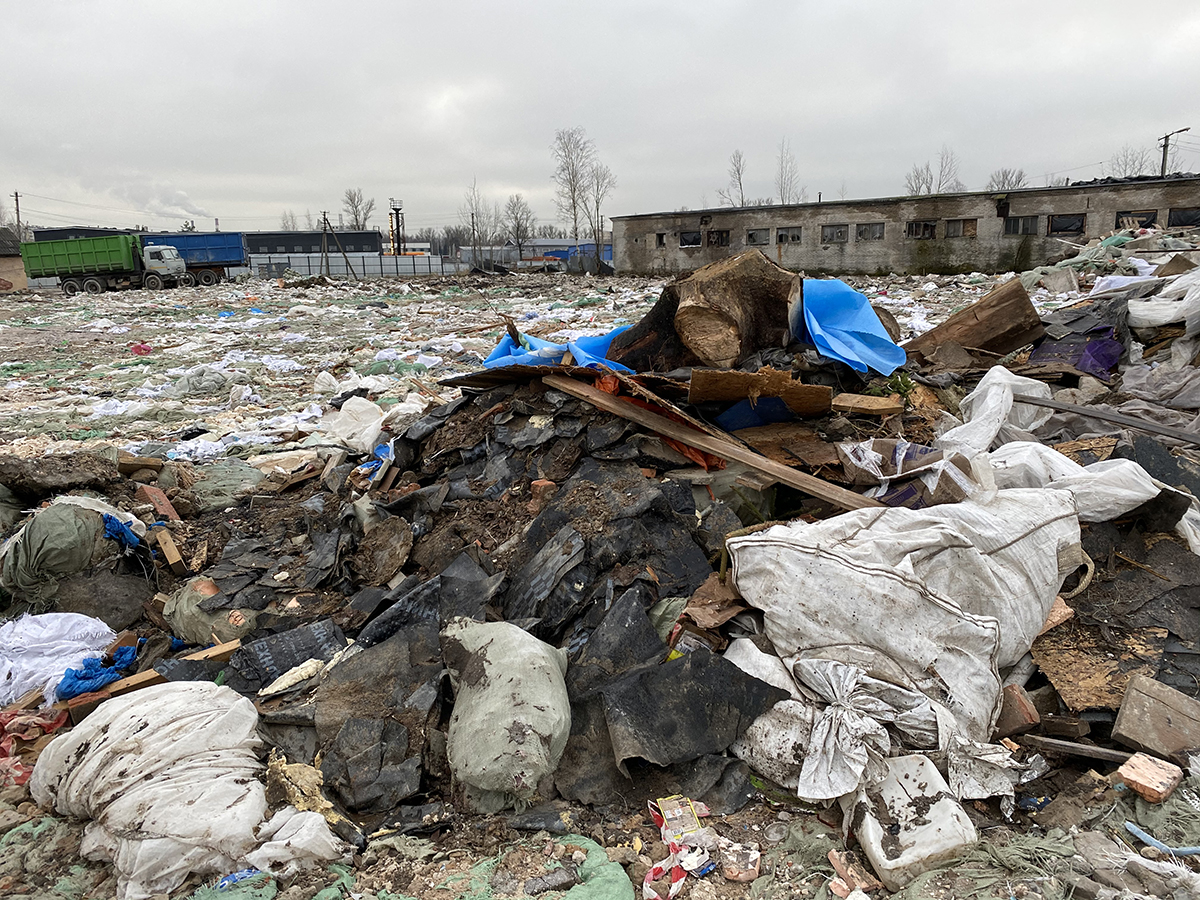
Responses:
[208,255]
[106,263]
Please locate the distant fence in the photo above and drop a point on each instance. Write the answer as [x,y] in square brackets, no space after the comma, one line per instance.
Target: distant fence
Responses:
[271,265]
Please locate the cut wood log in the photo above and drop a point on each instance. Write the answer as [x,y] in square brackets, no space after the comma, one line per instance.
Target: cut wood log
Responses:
[716,316]
[722,447]
[866,405]
[728,385]
[1001,321]
[1158,719]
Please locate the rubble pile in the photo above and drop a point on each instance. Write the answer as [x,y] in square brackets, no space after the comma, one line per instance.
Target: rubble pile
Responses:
[746,584]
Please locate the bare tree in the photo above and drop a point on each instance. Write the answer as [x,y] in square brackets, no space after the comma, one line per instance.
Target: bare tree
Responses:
[919,180]
[484,220]
[287,221]
[357,210]
[573,154]
[309,224]
[1006,180]
[600,183]
[550,231]
[519,222]
[1128,162]
[842,192]
[787,177]
[1060,181]
[947,176]
[734,194]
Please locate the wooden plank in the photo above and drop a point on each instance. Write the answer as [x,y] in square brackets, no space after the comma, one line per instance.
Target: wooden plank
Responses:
[1115,418]
[170,552]
[1054,745]
[145,679]
[866,405]
[1001,321]
[727,385]
[127,463]
[1158,719]
[722,447]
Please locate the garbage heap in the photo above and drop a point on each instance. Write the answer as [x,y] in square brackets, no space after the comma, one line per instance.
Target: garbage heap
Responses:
[933,604]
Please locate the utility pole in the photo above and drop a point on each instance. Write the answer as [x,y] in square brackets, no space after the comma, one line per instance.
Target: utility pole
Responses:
[17,200]
[474,243]
[324,242]
[1166,145]
[337,240]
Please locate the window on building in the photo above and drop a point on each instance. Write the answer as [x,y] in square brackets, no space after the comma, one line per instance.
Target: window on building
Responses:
[835,234]
[871,231]
[758,236]
[1184,218]
[921,229]
[297,249]
[958,228]
[718,239]
[689,239]
[1137,218]
[706,220]
[1020,225]
[281,249]
[351,247]
[788,235]
[1066,224]
[660,239]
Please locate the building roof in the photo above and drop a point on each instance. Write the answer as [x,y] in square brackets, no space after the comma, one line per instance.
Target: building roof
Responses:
[1095,184]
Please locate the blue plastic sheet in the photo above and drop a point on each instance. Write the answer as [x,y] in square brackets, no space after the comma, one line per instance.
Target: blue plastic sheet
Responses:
[94,675]
[117,530]
[586,351]
[840,323]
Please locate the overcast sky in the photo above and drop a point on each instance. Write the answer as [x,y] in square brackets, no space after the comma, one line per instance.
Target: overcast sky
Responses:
[152,111]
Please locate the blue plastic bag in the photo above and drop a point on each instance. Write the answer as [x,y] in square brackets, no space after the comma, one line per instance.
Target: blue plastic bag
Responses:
[117,530]
[840,323]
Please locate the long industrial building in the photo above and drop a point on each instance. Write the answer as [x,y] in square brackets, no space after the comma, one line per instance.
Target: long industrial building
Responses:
[978,231]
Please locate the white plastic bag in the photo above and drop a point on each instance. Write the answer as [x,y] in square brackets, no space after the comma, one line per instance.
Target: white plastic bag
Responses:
[948,594]
[1101,491]
[512,715]
[989,413]
[36,651]
[357,425]
[169,778]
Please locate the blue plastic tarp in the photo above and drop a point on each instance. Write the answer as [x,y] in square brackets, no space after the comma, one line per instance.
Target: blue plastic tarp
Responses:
[586,351]
[840,323]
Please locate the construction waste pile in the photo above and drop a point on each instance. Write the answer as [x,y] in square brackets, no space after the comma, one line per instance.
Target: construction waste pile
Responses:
[742,585]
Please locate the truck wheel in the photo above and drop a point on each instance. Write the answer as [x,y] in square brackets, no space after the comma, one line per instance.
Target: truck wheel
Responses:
[93,285]
[71,287]
[207,277]
[153,282]
[187,279]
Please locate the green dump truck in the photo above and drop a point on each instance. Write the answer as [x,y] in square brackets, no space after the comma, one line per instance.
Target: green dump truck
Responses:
[108,263]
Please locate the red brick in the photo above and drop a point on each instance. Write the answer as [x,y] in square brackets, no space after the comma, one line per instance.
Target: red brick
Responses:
[853,871]
[162,506]
[1018,715]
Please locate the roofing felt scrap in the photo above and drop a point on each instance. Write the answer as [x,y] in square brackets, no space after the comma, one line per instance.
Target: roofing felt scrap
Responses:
[723,448]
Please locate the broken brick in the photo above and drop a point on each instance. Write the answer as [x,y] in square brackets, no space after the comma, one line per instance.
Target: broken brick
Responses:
[1150,778]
